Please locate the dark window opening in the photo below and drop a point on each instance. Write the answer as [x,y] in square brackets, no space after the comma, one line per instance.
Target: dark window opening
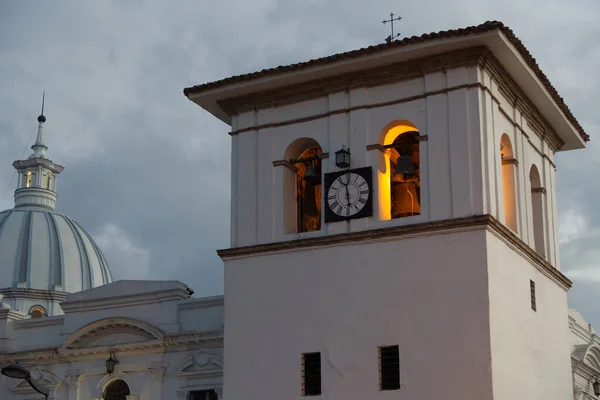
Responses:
[203,395]
[116,390]
[532,293]
[311,374]
[405,181]
[389,368]
[308,192]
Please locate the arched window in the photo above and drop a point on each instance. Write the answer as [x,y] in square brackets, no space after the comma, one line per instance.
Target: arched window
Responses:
[303,186]
[400,184]
[537,208]
[37,312]
[28,179]
[508,182]
[116,390]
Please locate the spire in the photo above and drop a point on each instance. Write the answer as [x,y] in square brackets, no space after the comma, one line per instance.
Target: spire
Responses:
[36,185]
[39,148]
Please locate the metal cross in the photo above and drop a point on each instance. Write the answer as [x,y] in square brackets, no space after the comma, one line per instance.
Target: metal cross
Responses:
[390,38]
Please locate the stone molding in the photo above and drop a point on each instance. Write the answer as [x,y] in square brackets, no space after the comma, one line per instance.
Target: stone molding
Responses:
[203,302]
[126,300]
[29,293]
[174,342]
[477,222]
[480,56]
[81,337]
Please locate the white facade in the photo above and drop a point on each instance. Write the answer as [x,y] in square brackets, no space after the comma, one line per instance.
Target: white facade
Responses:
[167,344]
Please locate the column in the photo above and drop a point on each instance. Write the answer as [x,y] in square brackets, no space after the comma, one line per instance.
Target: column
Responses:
[73,385]
[156,382]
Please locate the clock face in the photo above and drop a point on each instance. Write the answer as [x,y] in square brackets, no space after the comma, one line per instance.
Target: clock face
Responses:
[348,194]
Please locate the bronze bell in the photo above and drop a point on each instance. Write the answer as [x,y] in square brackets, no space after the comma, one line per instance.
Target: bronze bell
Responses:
[404,167]
[310,176]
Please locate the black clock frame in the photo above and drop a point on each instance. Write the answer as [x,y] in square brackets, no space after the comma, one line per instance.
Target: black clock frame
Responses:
[367,174]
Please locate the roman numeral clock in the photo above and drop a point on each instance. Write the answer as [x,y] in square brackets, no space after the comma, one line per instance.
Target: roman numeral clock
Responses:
[348,194]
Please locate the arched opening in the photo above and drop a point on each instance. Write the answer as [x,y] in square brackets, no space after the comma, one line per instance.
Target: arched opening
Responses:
[508,182]
[47,183]
[537,209]
[400,180]
[28,179]
[303,186]
[116,390]
[37,312]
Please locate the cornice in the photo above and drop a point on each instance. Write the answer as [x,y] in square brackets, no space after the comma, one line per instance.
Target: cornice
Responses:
[479,56]
[38,294]
[518,99]
[204,302]
[124,301]
[38,162]
[37,322]
[372,77]
[168,343]
[478,222]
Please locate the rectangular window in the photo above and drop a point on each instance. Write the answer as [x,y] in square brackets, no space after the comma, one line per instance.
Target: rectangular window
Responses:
[532,292]
[389,368]
[311,374]
[203,395]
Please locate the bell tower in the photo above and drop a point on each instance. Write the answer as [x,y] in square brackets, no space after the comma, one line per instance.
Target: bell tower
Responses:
[393,223]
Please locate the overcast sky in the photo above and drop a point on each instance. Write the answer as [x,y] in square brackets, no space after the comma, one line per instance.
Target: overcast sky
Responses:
[147,171]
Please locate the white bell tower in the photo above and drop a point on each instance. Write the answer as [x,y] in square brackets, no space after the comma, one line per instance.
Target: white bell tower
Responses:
[447,282]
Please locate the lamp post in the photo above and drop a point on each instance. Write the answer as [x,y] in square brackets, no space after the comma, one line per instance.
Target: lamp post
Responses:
[17,371]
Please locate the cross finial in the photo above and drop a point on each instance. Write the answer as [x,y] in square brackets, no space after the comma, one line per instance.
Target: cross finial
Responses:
[391,38]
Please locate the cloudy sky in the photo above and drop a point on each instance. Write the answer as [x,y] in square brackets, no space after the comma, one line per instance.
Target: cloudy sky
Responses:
[147,171]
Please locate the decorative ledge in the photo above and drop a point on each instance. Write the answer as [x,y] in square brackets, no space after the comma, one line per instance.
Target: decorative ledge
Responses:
[427,228]
[510,161]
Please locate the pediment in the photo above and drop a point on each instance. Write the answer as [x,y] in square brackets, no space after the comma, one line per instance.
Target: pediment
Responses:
[111,332]
[200,363]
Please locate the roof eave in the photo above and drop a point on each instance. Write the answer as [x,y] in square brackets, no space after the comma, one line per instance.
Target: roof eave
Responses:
[528,81]
[500,45]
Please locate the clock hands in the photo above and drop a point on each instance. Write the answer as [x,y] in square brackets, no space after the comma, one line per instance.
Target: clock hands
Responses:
[347,192]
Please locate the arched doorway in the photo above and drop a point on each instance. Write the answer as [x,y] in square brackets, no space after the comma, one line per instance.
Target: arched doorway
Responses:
[116,390]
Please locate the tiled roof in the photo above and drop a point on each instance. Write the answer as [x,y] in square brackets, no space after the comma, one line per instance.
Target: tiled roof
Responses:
[453,33]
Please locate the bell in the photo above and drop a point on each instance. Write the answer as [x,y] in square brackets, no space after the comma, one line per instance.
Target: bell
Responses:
[405,200]
[310,176]
[404,166]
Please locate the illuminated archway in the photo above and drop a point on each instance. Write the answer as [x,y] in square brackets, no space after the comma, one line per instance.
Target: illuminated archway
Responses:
[509,182]
[399,176]
[303,197]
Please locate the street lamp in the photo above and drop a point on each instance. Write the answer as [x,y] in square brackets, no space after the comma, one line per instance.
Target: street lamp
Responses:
[111,363]
[17,371]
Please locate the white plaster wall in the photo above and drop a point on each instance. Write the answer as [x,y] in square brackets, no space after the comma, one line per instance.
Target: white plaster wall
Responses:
[426,294]
[451,163]
[501,117]
[530,350]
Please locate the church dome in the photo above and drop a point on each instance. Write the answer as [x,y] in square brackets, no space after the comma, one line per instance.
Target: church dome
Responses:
[44,255]
[45,250]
